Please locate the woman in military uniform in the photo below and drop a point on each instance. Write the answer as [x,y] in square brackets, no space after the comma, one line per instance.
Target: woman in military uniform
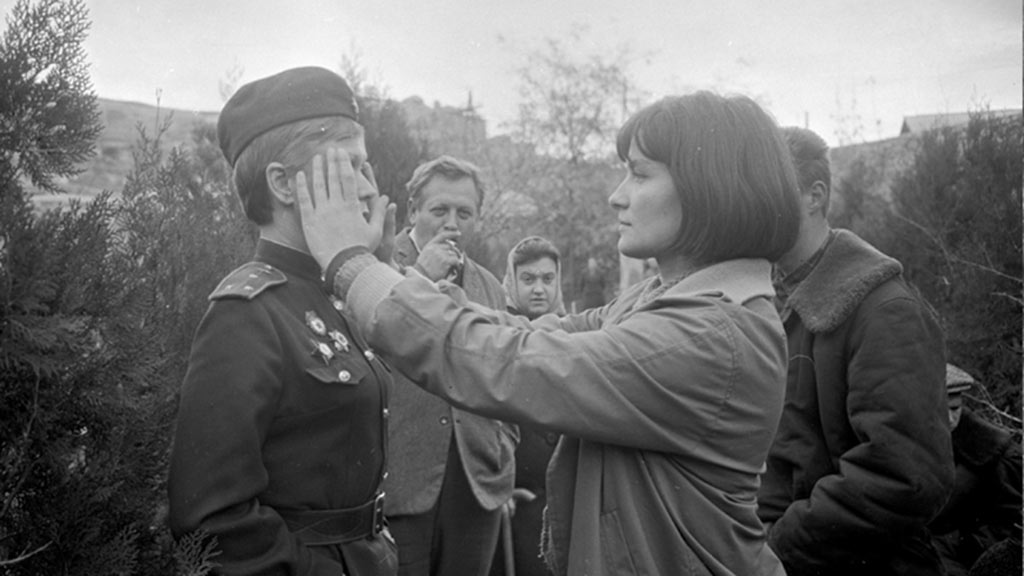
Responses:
[280,448]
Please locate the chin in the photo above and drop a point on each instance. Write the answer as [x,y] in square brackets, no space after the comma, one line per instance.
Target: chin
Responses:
[631,251]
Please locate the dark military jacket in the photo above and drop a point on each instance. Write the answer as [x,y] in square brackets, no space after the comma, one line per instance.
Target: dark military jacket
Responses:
[283,409]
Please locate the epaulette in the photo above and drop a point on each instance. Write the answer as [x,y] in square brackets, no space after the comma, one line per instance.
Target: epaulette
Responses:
[248,281]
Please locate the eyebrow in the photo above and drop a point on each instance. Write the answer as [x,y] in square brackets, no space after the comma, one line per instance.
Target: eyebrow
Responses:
[634,162]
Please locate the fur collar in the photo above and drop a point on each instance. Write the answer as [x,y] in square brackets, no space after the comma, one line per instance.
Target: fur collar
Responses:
[848,271]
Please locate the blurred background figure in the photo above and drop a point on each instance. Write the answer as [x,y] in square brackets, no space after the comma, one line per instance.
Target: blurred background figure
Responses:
[591,286]
[533,284]
[984,511]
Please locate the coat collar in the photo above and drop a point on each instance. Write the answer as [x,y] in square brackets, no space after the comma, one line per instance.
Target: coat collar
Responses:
[739,280]
[849,269]
[288,260]
[405,250]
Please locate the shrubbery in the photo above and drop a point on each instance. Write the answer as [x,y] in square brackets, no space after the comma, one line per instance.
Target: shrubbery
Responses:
[98,314]
[955,223]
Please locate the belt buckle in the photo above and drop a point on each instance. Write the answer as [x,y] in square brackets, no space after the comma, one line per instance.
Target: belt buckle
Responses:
[378,513]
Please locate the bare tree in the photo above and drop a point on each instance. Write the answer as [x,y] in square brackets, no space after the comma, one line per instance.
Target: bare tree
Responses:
[560,164]
[572,105]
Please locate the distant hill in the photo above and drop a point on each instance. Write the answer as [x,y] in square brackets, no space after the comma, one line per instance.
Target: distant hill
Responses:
[112,160]
[446,129]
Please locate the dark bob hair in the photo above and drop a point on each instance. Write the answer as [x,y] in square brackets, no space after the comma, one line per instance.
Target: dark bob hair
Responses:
[731,168]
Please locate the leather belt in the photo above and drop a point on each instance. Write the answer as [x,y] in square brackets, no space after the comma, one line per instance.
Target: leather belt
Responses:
[325,527]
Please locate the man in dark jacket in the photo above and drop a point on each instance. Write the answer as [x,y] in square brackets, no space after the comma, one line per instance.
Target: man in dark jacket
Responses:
[450,470]
[862,460]
[984,511]
[280,449]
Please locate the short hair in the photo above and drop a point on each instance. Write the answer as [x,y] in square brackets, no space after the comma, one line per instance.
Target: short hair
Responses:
[731,170]
[810,157]
[293,145]
[447,167]
[532,249]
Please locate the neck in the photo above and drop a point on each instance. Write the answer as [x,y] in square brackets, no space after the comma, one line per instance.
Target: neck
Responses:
[675,268]
[808,242]
[279,232]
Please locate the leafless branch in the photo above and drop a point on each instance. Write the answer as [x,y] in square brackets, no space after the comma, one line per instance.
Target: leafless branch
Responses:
[24,555]
[951,258]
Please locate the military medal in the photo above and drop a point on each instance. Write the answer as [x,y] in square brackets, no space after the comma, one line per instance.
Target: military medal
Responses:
[324,350]
[340,342]
[315,323]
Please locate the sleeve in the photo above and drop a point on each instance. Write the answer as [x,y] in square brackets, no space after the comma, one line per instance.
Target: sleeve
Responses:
[899,474]
[658,375]
[1004,513]
[590,319]
[228,401]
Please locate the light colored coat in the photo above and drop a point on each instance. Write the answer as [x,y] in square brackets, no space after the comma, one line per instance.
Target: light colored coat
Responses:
[421,426]
[669,407]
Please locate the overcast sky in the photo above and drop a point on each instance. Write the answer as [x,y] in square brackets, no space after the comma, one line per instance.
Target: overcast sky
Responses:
[870,62]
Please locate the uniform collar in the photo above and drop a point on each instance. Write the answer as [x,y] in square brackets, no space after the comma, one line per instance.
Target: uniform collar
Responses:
[287,260]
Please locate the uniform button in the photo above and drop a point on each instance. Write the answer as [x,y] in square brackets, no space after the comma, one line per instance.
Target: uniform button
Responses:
[338,305]
[387,413]
[444,420]
[369,355]
[344,376]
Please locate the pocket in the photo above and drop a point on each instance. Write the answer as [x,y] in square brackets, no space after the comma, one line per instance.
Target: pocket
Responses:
[372,556]
[614,547]
[347,368]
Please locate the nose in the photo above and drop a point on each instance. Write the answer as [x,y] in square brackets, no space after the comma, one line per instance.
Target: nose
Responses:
[617,199]
[365,189]
[451,221]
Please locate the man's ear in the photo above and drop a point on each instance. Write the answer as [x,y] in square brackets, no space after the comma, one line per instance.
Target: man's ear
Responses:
[816,198]
[278,183]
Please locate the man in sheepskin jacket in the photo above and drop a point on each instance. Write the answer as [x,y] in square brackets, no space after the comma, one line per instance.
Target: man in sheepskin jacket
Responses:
[862,460]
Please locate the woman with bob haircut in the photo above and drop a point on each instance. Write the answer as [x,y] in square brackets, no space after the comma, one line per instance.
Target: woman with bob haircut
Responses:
[667,397]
